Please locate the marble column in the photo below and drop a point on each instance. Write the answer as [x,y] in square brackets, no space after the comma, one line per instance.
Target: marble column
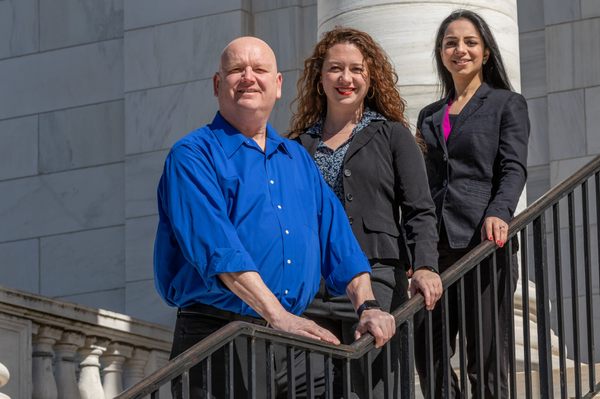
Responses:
[90,385]
[406,30]
[113,359]
[67,364]
[44,383]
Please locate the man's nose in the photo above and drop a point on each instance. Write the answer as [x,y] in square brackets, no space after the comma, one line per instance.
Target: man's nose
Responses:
[248,73]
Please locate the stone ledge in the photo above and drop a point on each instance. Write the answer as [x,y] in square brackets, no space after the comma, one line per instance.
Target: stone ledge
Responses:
[92,322]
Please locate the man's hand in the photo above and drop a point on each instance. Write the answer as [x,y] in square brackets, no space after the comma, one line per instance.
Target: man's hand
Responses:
[298,325]
[495,229]
[429,284]
[380,324]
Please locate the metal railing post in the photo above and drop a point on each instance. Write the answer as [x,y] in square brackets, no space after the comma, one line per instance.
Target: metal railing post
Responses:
[543,307]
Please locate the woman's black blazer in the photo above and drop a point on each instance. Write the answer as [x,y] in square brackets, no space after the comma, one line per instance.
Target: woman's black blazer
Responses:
[481,170]
[384,172]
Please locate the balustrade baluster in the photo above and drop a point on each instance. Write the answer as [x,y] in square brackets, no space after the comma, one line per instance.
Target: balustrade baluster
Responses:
[112,372]
[4,377]
[66,364]
[90,386]
[135,366]
[44,383]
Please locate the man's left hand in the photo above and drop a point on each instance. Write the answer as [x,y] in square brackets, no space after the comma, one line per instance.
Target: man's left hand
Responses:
[380,324]
[429,284]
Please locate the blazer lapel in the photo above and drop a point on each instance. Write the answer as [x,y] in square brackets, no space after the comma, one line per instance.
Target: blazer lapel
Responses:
[309,142]
[473,105]
[437,119]
[361,139]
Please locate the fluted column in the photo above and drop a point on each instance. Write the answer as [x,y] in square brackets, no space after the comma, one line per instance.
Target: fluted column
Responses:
[134,368]
[67,364]
[90,385]
[4,377]
[406,29]
[44,384]
[113,359]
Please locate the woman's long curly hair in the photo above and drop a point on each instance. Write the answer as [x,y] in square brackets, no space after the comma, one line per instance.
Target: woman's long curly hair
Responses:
[383,96]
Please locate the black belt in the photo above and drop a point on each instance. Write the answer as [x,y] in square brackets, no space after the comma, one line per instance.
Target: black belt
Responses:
[199,309]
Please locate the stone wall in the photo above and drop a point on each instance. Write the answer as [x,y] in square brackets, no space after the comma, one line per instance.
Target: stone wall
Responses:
[560,74]
[92,96]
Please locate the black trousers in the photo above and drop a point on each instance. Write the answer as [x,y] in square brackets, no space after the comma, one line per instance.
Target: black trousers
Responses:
[198,322]
[491,348]
[337,314]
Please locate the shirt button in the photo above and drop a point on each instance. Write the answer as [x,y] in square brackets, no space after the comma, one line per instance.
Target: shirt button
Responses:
[278,206]
[347,172]
[272,181]
[445,157]
[289,261]
[285,292]
[287,232]
[349,197]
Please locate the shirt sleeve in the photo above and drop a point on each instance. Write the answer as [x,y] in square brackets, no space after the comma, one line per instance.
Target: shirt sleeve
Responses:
[510,166]
[342,257]
[191,198]
[418,210]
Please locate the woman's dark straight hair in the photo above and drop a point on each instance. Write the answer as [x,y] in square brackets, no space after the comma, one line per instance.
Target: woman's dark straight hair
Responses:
[494,72]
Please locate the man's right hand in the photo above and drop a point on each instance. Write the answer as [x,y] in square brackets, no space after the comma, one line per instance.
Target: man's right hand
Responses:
[298,325]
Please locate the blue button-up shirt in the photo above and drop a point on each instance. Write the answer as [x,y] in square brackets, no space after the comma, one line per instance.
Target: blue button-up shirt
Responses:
[226,206]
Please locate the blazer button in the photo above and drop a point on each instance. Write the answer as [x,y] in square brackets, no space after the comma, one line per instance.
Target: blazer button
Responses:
[350,219]
[445,158]
[347,172]
[349,197]
[445,183]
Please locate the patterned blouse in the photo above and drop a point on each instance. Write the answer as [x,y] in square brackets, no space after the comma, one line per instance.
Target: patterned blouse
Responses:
[330,161]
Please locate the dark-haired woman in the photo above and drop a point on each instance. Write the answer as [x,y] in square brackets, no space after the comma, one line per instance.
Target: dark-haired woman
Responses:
[350,118]
[476,155]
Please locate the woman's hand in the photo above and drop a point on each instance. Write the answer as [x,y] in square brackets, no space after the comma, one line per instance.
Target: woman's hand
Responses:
[495,229]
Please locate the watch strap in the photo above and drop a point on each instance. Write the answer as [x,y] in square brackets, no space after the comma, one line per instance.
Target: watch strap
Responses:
[368,304]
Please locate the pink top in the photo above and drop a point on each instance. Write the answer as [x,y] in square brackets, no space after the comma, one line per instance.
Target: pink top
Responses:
[446,125]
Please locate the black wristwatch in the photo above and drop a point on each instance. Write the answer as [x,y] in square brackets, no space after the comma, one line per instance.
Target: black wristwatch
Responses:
[369,304]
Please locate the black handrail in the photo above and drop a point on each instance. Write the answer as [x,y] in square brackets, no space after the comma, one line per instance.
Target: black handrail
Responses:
[404,313]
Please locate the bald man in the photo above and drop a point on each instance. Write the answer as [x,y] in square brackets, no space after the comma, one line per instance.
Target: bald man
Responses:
[247,226]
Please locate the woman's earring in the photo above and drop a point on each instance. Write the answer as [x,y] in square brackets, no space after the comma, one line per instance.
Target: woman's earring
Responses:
[370,97]
[319,92]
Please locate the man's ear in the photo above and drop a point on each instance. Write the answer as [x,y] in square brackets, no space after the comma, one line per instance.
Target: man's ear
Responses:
[216,81]
[279,84]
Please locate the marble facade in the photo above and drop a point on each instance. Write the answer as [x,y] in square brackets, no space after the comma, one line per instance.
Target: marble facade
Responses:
[93,94]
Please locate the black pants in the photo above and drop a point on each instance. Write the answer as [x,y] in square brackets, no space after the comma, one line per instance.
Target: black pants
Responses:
[337,314]
[193,325]
[491,348]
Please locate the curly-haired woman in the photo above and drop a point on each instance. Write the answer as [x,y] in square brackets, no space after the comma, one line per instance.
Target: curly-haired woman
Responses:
[350,117]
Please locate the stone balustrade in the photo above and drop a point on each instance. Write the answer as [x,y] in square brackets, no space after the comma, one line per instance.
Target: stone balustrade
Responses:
[57,349]
[4,377]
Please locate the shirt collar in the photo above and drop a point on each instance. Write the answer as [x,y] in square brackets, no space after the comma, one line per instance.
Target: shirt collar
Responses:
[232,139]
[367,116]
